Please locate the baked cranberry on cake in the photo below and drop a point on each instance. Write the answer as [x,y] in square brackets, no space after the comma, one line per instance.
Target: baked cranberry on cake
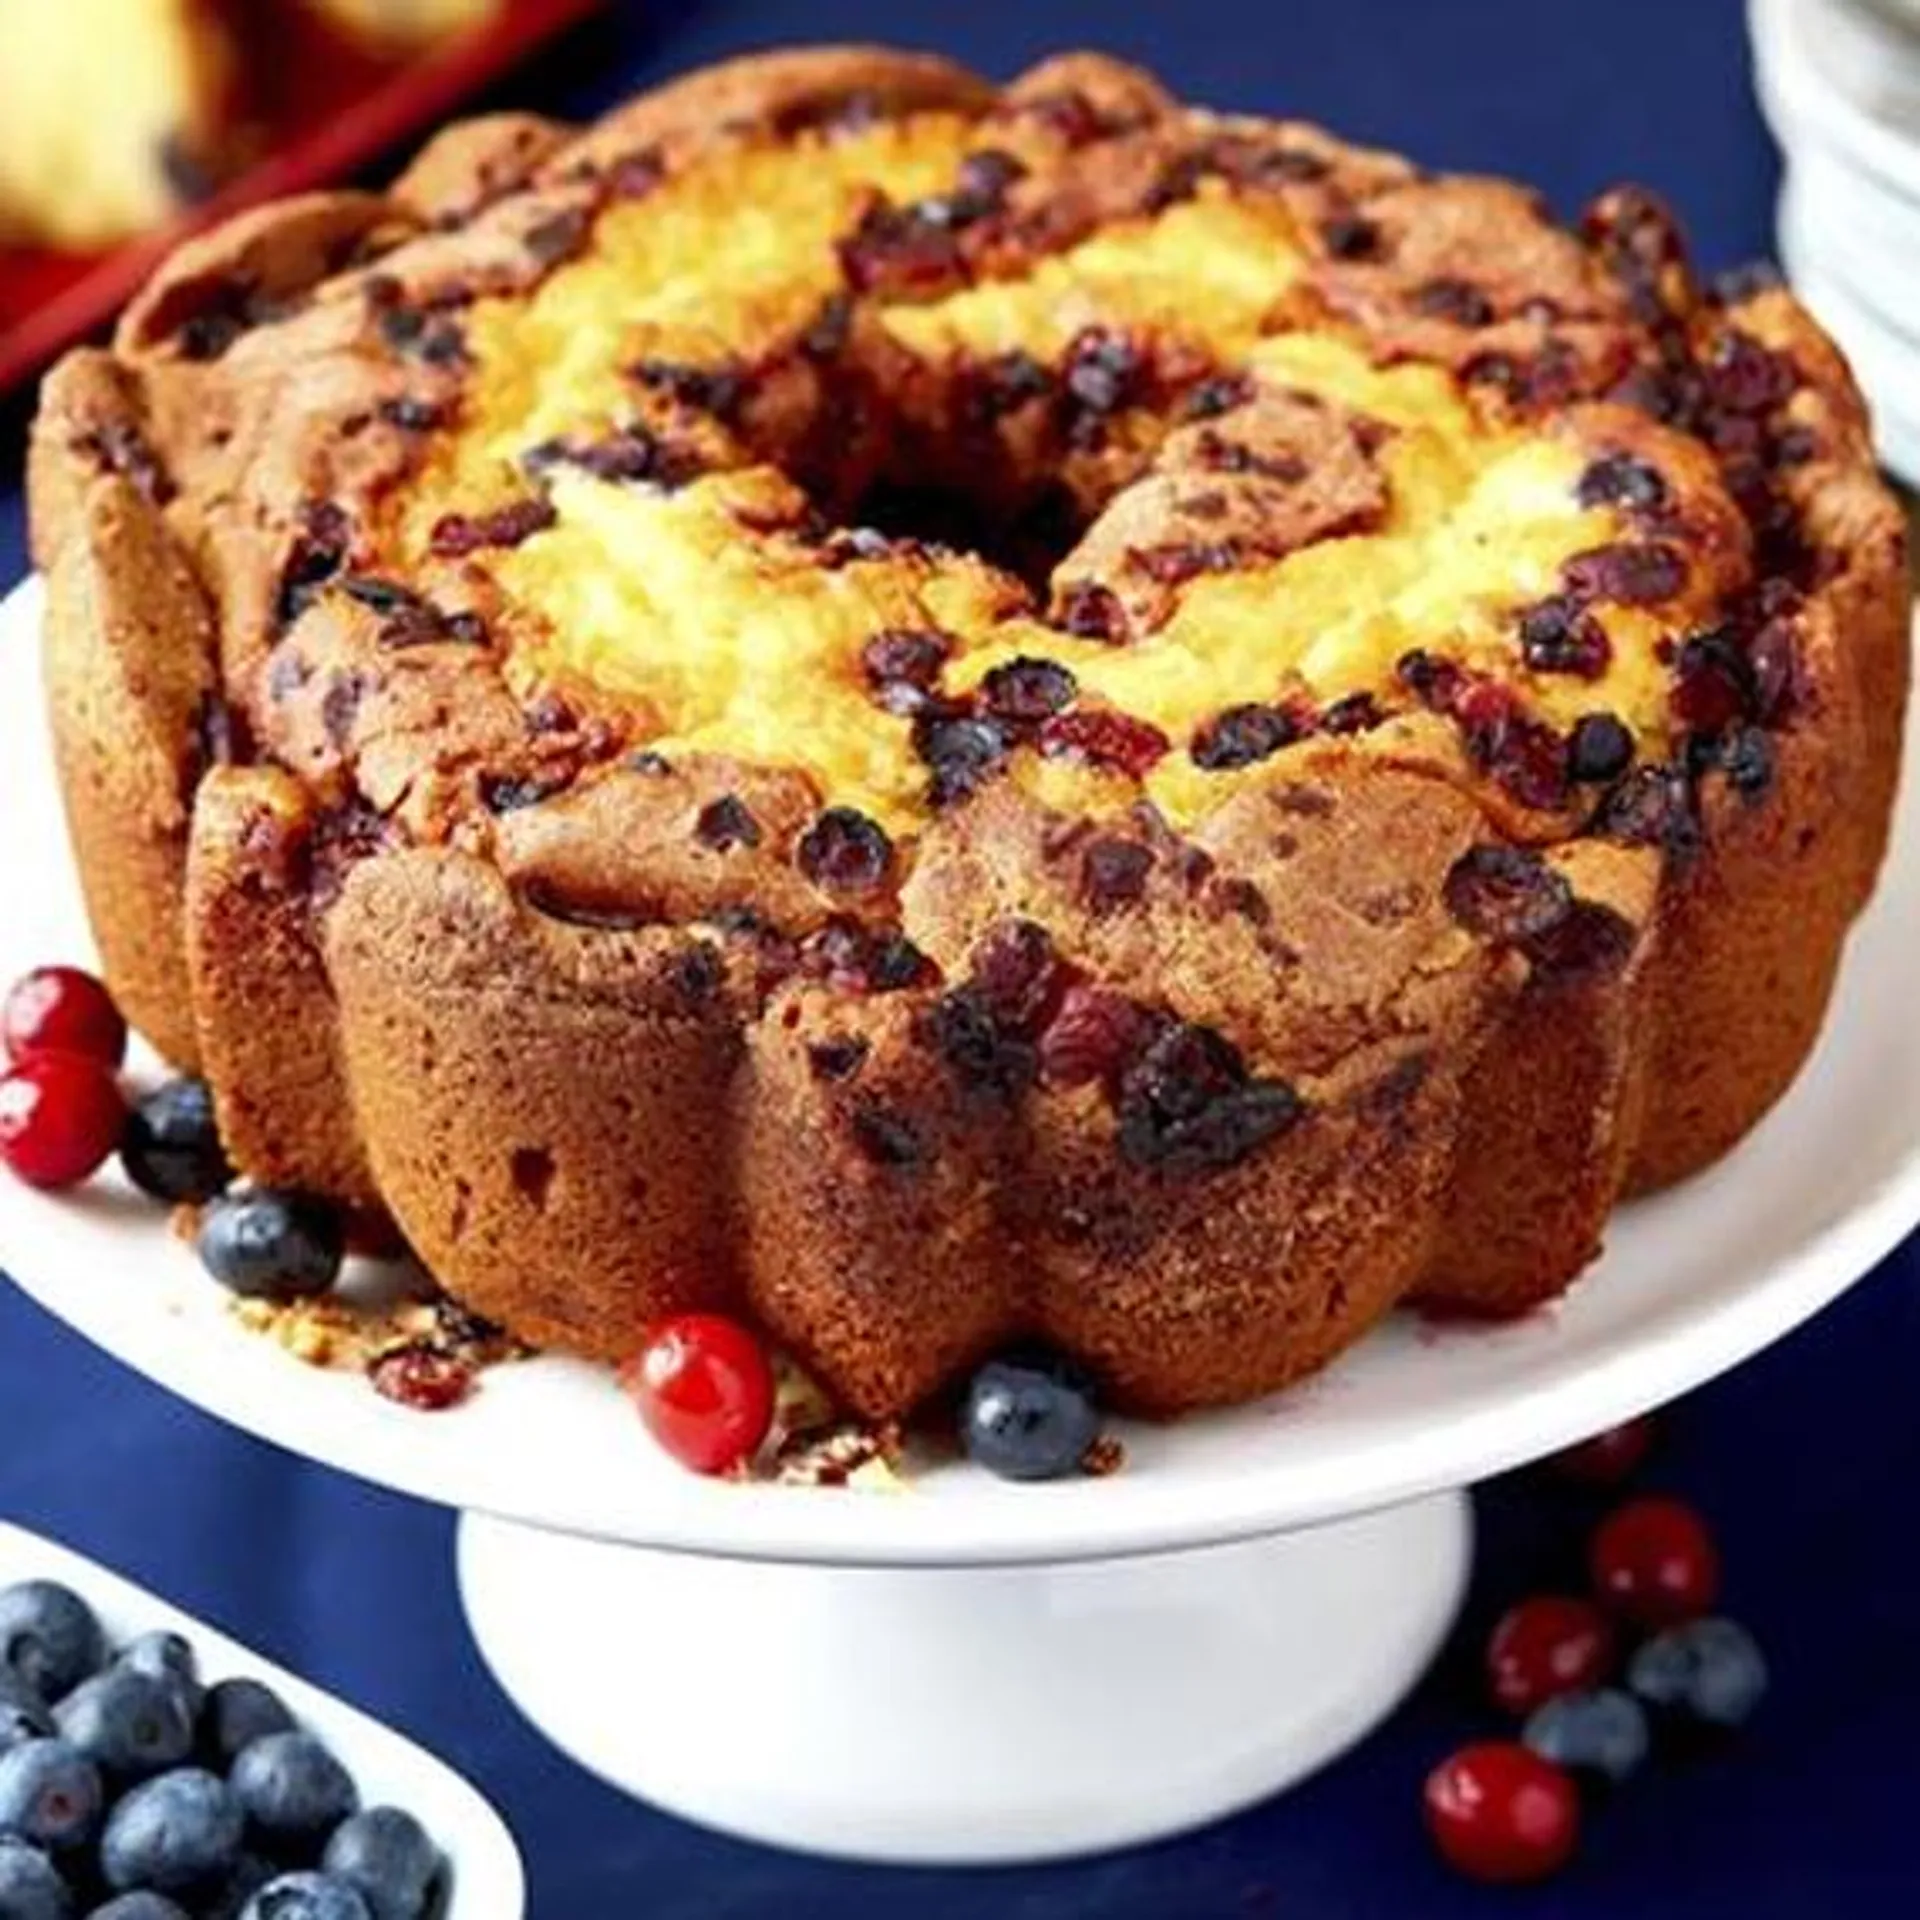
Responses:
[931,715]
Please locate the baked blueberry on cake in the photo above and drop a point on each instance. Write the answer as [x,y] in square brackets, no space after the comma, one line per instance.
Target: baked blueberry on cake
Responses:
[938,716]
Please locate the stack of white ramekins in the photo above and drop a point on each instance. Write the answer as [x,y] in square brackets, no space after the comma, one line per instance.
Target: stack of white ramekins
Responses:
[1840,83]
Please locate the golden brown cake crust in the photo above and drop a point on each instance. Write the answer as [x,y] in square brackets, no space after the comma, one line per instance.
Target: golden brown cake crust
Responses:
[1394,772]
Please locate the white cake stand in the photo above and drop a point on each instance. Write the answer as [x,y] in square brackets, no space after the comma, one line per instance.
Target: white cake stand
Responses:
[971,1672]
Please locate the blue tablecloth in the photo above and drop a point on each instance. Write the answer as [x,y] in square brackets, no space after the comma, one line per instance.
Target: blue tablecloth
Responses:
[1806,1459]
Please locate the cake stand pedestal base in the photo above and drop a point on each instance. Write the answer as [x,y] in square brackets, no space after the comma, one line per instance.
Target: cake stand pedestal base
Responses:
[965,1715]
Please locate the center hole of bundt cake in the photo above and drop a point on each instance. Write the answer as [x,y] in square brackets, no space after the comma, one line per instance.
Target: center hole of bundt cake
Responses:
[1028,538]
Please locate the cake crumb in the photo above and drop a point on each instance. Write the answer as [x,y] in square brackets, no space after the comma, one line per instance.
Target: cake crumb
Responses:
[1105,1457]
[337,1335]
[867,1459]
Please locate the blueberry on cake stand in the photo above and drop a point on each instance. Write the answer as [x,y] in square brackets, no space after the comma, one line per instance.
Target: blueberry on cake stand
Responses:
[971,1671]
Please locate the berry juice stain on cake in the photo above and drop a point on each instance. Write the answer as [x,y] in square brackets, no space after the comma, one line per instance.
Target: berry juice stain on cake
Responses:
[981,717]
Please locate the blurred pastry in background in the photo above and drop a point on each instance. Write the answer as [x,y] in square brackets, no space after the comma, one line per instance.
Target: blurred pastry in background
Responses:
[389,25]
[114,115]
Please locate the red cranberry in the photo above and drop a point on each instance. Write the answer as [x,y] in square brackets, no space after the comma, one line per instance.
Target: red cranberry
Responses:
[1526,756]
[1106,738]
[62,1010]
[61,1117]
[1019,974]
[1655,1562]
[1634,574]
[456,535]
[904,252]
[704,1389]
[421,1377]
[1091,1038]
[1500,1813]
[1607,1458]
[1713,685]
[1548,1646]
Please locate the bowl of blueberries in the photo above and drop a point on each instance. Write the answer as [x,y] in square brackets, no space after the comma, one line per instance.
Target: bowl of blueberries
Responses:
[152,1769]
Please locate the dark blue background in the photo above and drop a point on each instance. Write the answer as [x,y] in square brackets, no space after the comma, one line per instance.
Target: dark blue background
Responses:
[1806,1459]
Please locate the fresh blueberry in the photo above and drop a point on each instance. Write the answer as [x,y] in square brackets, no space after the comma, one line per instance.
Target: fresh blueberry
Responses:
[168,1658]
[50,1795]
[272,1244]
[171,1148]
[139,1906]
[129,1724]
[1600,1733]
[49,1637]
[1030,1416]
[180,1833]
[294,1792]
[234,1715]
[31,1887]
[23,1716]
[385,1854]
[1708,1671]
[249,1874]
[307,1896]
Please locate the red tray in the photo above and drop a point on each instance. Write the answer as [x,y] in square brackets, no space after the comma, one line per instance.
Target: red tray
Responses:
[341,108]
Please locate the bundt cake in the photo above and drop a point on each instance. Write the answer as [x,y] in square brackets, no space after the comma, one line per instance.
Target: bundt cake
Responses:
[118,113]
[937,715]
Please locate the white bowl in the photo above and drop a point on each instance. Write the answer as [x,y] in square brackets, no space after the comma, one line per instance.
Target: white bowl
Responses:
[1886,364]
[487,1882]
[1814,69]
[1862,233]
